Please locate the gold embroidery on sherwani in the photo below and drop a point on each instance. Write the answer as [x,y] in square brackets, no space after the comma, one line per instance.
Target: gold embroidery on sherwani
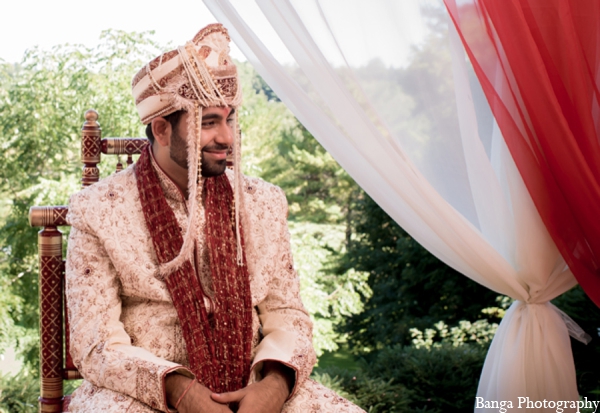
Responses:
[121,297]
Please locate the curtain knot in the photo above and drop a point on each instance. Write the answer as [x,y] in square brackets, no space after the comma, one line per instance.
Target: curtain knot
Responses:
[572,327]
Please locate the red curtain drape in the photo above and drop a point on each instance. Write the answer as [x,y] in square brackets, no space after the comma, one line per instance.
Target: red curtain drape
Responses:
[538,62]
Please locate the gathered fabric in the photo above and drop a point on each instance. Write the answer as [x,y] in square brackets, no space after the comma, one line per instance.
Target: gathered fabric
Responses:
[437,157]
[218,344]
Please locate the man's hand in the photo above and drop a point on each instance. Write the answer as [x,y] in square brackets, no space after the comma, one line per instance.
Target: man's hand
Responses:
[196,400]
[265,396]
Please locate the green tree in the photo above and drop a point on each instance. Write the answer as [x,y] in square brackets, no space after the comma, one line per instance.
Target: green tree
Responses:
[42,100]
[280,150]
[411,288]
[329,298]
[277,148]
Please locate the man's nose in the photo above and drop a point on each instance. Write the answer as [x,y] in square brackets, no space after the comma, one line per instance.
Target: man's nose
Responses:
[225,134]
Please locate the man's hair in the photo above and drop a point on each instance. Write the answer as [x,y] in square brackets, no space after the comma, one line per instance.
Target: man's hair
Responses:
[173,119]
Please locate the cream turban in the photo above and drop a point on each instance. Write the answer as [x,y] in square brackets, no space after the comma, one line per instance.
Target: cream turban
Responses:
[201,72]
[195,76]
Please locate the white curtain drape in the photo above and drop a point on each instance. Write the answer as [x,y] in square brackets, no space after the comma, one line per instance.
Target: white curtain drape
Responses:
[386,89]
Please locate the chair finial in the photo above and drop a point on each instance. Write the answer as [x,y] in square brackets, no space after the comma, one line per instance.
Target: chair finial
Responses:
[91,115]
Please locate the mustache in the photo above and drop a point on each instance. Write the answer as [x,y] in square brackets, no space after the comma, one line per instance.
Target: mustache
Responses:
[216,147]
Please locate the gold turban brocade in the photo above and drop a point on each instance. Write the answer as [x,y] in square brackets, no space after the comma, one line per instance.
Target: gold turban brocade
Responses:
[197,75]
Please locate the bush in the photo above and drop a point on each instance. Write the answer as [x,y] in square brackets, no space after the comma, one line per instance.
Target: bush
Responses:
[19,394]
[410,287]
[406,378]
[440,378]
[373,394]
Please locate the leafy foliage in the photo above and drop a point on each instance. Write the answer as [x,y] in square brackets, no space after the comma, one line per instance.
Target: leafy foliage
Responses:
[410,378]
[438,372]
[19,394]
[481,331]
[317,188]
[411,288]
[441,378]
[328,298]
[42,100]
[280,150]
[422,326]
[374,394]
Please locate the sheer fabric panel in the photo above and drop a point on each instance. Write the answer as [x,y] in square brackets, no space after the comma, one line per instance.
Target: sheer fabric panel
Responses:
[539,63]
[401,110]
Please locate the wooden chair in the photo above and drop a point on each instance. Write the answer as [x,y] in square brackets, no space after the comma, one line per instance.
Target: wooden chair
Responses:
[56,364]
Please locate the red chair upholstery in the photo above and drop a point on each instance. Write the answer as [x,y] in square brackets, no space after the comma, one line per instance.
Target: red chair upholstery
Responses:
[56,364]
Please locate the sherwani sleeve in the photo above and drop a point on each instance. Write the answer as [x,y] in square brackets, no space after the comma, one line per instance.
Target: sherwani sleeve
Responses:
[286,325]
[100,346]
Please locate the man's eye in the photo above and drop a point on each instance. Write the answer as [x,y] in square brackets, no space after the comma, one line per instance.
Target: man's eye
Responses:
[230,120]
[205,124]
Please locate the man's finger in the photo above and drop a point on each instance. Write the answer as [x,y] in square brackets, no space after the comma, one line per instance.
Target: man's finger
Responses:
[230,397]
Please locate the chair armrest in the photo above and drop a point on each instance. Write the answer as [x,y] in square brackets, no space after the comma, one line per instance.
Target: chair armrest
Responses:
[48,216]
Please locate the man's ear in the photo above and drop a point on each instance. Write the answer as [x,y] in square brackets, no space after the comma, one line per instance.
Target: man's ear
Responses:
[161,129]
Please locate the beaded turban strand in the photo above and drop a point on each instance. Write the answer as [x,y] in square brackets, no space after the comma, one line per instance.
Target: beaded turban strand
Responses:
[197,75]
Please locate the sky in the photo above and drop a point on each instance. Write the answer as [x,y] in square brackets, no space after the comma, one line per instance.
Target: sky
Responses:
[27,23]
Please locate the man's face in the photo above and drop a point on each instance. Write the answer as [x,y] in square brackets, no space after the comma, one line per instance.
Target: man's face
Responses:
[216,138]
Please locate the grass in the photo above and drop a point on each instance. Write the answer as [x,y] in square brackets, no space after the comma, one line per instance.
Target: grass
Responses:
[342,359]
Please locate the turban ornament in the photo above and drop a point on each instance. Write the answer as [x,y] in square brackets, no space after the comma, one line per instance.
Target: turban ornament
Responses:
[197,75]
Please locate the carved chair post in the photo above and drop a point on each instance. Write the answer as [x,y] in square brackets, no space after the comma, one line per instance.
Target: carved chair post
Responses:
[91,136]
[56,363]
[51,277]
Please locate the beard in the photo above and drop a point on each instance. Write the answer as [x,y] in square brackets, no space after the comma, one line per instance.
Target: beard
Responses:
[178,153]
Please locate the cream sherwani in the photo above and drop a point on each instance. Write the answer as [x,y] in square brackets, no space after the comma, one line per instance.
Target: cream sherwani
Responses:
[125,335]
